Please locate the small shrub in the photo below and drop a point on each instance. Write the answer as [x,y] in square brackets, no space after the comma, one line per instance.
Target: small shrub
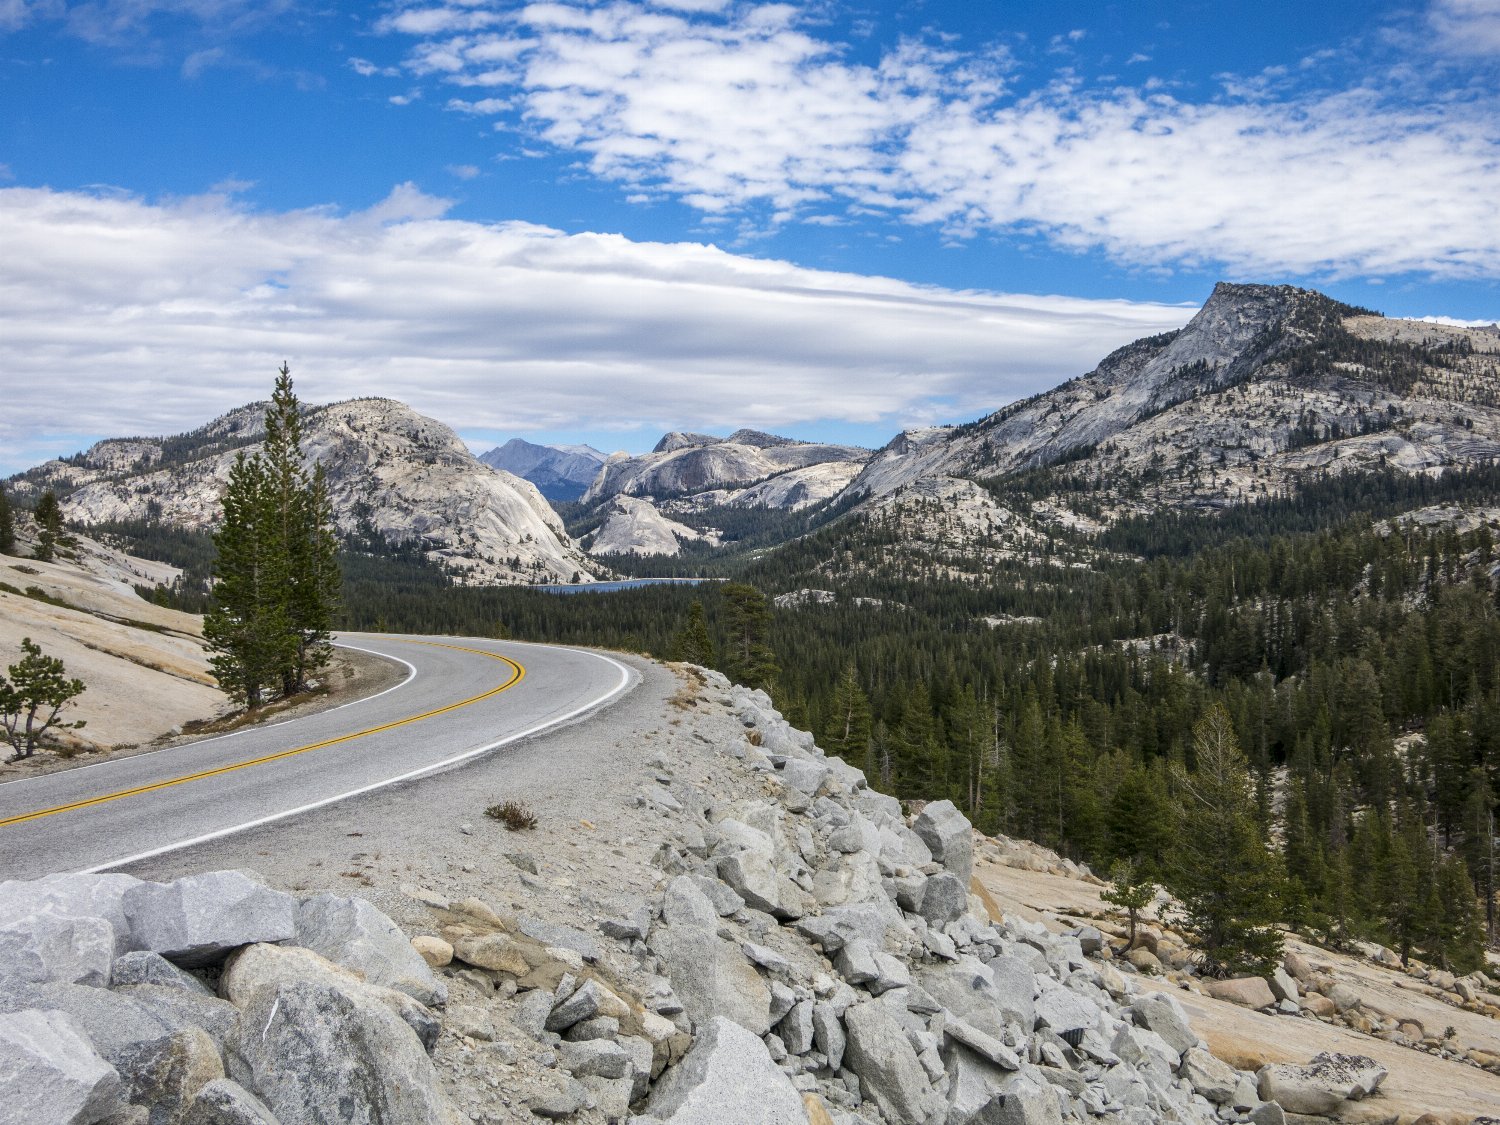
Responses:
[513,814]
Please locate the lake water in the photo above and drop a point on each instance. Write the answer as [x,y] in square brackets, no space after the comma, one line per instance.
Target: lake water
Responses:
[625,584]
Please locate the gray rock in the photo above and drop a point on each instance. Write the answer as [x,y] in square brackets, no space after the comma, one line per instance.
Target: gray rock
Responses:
[351,932]
[828,1034]
[725,901]
[986,1046]
[564,937]
[685,904]
[754,878]
[1090,939]
[972,1084]
[144,967]
[712,978]
[783,998]
[1062,1009]
[531,1012]
[944,898]
[1322,1085]
[889,1071]
[874,922]
[165,1075]
[589,1001]
[727,1075]
[72,896]
[258,966]
[1162,1014]
[50,1074]
[1025,1103]
[600,1027]
[319,1054]
[1215,1080]
[891,972]
[984,996]
[1269,1113]
[179,1008]
[807,777]
[796,1028]
[225,1102]
[767,959]
[949,836]
[198,919]
[45,948]
[856,962]
[112,1022]
[1284,987]
[601,1058]
[634,925]
[563,1099]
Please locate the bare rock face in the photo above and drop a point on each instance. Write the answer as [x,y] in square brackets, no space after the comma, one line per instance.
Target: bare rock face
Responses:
[408,478]
[198,919]
[635,527]
[698,463]
[353,933]
[727,1075]
[319,1054]
[50,1074]
[1322,1085]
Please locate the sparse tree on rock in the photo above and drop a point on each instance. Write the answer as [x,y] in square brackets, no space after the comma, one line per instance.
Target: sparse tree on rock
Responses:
[32,697]
[847,733]
[7,524]
[1131,891]
[49,526]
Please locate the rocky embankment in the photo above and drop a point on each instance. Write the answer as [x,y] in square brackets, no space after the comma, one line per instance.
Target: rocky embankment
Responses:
[767,941]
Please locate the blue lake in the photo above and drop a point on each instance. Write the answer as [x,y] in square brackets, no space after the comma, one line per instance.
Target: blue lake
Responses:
[624,584]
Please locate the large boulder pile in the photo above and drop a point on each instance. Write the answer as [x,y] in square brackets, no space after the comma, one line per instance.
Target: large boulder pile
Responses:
[812,954]
[210,1000]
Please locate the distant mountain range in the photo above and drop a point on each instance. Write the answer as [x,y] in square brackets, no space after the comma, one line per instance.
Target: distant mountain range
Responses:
[560,472]
[1267,387]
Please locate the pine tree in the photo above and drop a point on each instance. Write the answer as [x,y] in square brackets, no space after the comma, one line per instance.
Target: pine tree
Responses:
[32,697]
[306,548]
[693,644]
[748,653]
[48,526]
[247,628]
[847,731]
[1225,875]
[1130,890]
[7,524]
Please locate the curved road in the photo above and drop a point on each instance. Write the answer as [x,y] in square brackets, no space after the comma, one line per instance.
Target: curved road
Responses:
[461,698]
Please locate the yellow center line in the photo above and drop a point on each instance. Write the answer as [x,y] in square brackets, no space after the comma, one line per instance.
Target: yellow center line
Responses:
[518,673]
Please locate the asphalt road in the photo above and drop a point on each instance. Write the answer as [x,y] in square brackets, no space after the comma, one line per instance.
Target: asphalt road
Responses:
[462,697]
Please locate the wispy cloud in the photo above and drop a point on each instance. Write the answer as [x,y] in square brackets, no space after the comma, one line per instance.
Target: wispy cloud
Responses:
[119,315]
[743,110]
[1467,27]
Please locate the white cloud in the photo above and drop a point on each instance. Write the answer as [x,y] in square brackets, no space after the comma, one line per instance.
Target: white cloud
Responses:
[1466,27]
[120,316]
[463,171]
[746,112]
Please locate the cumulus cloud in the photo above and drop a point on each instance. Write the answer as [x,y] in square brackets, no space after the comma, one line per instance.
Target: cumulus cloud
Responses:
[123,316]
[742,109]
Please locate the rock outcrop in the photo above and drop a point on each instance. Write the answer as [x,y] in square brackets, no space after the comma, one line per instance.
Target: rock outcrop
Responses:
[391,471]
[94,1021]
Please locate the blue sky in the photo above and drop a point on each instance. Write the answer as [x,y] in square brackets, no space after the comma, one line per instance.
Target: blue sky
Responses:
[595,221]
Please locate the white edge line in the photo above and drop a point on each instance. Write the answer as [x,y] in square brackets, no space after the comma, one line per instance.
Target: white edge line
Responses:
[411,675]
[625,680]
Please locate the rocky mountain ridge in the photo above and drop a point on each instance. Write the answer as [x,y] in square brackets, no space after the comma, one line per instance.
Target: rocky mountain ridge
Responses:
[391,471]
[748,467]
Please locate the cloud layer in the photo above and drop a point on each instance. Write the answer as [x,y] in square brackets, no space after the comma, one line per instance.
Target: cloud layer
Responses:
[121,316]
[741,109]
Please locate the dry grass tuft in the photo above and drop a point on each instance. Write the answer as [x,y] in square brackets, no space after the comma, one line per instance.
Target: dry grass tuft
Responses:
[513,814]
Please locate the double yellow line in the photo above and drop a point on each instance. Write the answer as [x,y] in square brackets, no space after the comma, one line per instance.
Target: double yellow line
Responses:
[518,673]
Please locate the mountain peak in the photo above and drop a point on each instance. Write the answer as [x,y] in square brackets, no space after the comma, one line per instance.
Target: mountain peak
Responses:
[680,439]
